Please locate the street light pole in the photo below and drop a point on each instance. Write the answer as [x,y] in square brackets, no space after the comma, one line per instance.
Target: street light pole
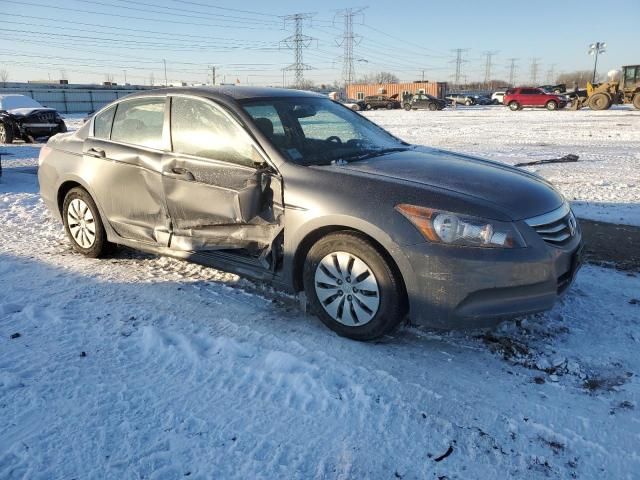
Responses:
[596,49]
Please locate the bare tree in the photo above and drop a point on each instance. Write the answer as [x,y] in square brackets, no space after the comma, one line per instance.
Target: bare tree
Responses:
[578,77]
[4,76]
[380,77]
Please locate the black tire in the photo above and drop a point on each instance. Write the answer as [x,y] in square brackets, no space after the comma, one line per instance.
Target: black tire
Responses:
[407,107]
[513,105]
[468,103]
[100,245]
[636,100]
[392,300]
[355,108]
[599,101]
[551,105]
[433,107]
[6,134]
[369,106]
[62,128]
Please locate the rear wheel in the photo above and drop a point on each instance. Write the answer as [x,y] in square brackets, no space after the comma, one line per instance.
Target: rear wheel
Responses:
[636,101]
[407,107]
[599,101]
[83,224]
[513,105]
[468,103]
[389,106]
[552,105]
[6,134]
[352,288]
[433,107]
[369,106]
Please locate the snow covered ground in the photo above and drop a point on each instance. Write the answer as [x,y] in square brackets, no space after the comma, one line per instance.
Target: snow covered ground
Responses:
[604,184]
[137,366]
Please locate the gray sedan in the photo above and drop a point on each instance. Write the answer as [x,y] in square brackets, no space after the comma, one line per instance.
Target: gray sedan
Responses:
[295,189]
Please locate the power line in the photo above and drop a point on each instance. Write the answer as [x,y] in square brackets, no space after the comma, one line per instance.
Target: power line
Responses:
[298,42]
[349,39]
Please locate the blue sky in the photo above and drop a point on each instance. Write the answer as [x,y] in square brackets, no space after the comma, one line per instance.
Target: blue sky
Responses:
[87,40]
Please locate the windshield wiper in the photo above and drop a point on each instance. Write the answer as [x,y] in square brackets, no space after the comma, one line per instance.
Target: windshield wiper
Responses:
[372,154]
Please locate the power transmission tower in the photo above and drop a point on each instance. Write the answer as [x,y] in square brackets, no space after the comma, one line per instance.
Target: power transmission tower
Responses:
[487,66]
[535,66]
[551,73]
[298,42]
[459,60]
[512,71]
[348,40]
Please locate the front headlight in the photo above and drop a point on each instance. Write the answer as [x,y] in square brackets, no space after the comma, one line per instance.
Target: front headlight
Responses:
[455,229]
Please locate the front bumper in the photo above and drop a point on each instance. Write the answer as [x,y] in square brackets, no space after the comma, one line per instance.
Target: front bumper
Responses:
[457,287]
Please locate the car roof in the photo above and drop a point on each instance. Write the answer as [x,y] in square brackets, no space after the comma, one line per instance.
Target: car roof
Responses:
[229,91]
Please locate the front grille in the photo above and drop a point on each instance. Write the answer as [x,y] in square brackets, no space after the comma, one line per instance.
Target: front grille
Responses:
[557,227]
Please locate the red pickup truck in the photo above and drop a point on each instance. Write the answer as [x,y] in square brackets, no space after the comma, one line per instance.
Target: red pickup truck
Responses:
[517,98]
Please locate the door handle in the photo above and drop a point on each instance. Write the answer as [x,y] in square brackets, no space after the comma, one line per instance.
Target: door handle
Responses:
[181,174]
[96,152]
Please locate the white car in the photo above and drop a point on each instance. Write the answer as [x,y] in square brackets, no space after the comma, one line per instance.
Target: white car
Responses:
[497,97]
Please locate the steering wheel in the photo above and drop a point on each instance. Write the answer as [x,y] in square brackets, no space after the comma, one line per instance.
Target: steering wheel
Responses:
[334,139]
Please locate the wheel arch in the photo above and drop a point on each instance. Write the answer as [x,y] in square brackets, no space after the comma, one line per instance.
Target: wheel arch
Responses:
[390,251]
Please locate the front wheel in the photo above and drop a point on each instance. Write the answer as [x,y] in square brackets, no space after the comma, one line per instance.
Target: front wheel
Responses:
[599,101]
[433,107]
[83,224]
[352,288]
[369,106]
[6,134]
[355,108]
[513,106]
[468,103]
[551,105]
[407,107]
[636,101]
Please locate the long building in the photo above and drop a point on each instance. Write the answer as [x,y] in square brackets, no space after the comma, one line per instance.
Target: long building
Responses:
[361,90]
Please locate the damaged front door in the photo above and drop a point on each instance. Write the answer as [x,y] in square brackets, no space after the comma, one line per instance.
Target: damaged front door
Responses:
[218,188]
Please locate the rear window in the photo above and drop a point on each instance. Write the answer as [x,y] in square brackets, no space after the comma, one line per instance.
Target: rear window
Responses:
[140,122]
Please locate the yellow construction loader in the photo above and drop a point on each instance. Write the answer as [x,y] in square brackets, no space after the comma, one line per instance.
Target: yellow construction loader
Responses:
[600,96]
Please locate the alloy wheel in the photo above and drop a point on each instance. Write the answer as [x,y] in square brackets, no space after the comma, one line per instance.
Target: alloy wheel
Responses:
[81,223]
[347,289]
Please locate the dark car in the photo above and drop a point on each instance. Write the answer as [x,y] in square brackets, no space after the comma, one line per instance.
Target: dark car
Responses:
[381,101]
[23,118]
[560,88]
[482,100]
[293,188]
[517,98]
[423,101]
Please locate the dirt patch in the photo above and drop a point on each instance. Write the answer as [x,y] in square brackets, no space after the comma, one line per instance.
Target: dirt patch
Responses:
[609,244]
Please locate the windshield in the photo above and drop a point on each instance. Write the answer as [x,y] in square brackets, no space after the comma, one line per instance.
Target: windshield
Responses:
[318,131]
[10,102]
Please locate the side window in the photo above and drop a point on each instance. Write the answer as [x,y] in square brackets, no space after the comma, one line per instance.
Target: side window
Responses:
[528,91]
[139,122]
[102,123]
[201,129]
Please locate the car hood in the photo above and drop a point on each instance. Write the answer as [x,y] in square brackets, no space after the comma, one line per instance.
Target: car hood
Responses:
[514,192]
[23,112]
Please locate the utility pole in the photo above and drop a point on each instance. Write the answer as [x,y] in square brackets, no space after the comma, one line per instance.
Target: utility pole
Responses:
[512,71]
[535,66]
[298,42]
[423,76]
[596,49]
[348,40]
[458,61]
[213,75]
[125,76]
[166,84]
[487,67]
